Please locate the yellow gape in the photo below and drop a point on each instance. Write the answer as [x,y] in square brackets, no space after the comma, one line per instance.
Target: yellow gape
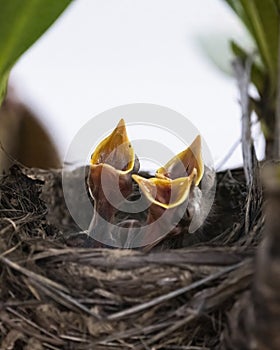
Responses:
[165,192]
[184,163]
[115,150]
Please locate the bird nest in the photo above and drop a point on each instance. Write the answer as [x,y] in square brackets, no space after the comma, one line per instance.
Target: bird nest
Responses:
[57,292]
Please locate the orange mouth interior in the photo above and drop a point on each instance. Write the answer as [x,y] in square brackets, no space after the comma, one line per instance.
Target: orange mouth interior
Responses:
[164,192]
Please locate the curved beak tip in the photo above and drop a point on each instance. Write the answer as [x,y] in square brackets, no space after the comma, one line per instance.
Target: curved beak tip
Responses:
[115,150]
[184,163]
[121,123]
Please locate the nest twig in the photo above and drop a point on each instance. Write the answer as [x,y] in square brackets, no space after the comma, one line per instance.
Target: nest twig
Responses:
[56,296]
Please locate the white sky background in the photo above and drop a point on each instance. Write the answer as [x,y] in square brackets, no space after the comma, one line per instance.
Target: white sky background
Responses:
[101,54]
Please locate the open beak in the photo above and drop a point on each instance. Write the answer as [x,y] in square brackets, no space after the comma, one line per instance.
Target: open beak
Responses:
[184,163]
[115,150]
[163,192]
[109,178]
[167,197]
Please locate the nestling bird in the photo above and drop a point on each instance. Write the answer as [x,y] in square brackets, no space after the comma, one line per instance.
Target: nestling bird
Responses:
[109,178]
[173,195]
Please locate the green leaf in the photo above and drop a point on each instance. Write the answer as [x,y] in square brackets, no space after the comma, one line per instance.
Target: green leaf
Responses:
[3,86]
[22,22]
[264,20]
[277,4]
[238,8]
